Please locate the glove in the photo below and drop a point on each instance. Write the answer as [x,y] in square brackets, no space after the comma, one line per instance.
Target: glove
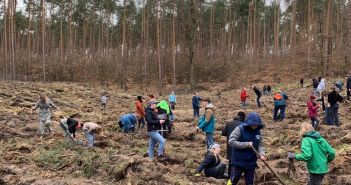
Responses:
[291,155]
[197,175]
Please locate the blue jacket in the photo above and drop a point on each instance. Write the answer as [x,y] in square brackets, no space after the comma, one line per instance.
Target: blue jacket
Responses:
[282,101]
[205,126]
[172,98]
[245,157]
[196,102]
[128,121]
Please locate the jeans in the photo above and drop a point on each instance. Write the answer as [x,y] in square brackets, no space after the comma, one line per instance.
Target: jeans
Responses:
[155,138]
[334,114]
[209,140]
[258,101]
[315,122]
[141,123]
[243,104]
[315,179]
[348,94]
[172,105]
[281,109]
[90,138]
[128,130]
[216,172]
[236,173]
[196,112]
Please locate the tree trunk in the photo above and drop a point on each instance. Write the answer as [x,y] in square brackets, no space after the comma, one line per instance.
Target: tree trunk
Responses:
[123,46]
[43,38]
[5,40]
[292,26]
[326,38]
[173,43]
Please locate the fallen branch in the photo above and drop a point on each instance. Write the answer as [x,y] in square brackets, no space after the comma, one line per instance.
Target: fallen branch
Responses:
[166,167]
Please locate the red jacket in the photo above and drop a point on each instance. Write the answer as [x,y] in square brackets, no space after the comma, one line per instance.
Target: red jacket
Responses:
[139,109]
[312,109]
[243,95]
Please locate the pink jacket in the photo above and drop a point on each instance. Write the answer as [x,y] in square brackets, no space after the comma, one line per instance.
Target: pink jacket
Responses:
[312,109]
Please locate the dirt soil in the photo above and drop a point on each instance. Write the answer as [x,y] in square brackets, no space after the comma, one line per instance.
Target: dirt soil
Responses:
[122,159]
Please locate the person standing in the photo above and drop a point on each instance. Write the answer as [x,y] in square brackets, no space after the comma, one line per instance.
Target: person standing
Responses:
[207,121]
[279,105]
[140,111]
[196,104]
[228,129]
[243,139]
[348,87]
[153,127]
[243,97]
[258,95]
[172,100]
[44,104]
[316,152]
[312,111]
[301,82]
[334,99]
[103,101]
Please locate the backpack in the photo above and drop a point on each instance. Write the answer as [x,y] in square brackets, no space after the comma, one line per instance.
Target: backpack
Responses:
[278,96]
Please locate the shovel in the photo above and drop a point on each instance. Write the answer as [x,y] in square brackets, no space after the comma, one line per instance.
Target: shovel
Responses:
[275,174]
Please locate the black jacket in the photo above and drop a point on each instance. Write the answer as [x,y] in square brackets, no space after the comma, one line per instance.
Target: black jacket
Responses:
[315,83]
[348,83]
[209,162]
[228,129]
[257,92]
[72,126]
[334,97]
[153,123]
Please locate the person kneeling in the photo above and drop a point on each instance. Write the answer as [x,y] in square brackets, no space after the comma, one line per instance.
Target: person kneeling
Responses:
[127,122]
[212,164]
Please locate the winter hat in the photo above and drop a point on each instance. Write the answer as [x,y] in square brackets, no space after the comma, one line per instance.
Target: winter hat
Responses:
[214,146]
[139,98]
[253,119]
[151,102]
[241,115]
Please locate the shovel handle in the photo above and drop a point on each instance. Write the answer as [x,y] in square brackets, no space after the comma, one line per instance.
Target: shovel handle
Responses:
[275,174]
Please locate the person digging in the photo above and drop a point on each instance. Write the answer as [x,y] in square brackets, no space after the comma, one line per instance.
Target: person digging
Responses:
[316,152]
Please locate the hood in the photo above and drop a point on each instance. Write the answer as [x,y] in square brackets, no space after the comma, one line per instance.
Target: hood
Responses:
[172,93]
[253,119]
[209,106]
[312,134]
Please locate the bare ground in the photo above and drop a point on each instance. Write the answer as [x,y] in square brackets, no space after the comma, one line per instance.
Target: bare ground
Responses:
[122,159]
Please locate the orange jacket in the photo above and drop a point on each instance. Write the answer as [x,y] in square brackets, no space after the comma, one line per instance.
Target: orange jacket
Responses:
[139,109]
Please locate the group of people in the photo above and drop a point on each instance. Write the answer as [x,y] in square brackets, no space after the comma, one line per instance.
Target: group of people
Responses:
[69,125]
[244,139]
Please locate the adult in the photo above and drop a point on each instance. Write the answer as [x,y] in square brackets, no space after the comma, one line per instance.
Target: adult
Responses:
[321,86]
[127,122]
[316,152]
[280,98]
[348,87]
[228,129]
[264,90]
[269,89]
[196,104]
[172,100]
[140,111]
[44,104]
[313,107]
[207,121]
[153,126]
[301,82]
[243,139]
[212,164]
[334,99]
[258,95]
[90,130]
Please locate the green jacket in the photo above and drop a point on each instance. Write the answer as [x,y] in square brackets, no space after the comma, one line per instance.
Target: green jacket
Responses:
[317,152]
[164,105]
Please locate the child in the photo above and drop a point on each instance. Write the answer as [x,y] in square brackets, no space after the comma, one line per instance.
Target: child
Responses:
[103,101]
[90,129]
[243,96]
[312,111]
